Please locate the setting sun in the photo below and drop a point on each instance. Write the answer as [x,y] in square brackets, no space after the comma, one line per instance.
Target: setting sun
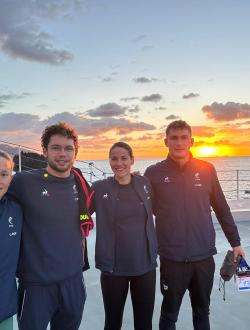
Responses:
[207,151]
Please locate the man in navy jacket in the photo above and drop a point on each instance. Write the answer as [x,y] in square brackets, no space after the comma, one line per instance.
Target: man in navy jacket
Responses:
[51,285]
[184,190]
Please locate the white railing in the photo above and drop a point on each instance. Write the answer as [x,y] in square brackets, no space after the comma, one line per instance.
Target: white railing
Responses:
[235,183]
[88,168]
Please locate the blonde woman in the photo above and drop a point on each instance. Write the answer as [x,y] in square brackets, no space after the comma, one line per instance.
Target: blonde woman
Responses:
[10,234]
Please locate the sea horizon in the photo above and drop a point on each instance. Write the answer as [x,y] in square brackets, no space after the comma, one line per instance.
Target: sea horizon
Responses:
[233,172]
[163,157]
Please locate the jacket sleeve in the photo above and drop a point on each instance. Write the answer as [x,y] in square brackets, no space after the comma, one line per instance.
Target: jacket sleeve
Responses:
[222,211]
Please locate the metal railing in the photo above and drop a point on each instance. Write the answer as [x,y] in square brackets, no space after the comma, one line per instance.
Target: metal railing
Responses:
[88,168]
[235,183]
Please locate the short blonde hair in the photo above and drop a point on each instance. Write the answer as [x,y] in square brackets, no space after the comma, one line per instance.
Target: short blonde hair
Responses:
[6,156]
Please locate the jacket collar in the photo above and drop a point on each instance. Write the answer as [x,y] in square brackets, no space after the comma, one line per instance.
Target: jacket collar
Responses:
[171,162]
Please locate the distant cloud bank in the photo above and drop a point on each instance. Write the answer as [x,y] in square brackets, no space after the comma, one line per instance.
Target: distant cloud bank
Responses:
[227,112]
[14,125]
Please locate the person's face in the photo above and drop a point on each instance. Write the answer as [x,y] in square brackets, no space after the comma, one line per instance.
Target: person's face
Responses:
[5,175]
[60,155]
[120,163]
[179,142]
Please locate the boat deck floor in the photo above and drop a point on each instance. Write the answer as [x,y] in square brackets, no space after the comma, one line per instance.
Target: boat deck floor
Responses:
[234,313]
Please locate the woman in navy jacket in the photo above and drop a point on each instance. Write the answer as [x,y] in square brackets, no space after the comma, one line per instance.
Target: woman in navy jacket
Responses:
[10,233]
[126,247]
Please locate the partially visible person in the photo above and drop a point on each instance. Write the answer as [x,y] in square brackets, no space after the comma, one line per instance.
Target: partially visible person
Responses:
[55,203]
[185,189]
[10,235]
[126,247]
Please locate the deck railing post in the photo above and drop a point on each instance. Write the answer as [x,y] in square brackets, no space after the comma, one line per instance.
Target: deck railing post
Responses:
[19,159]
[91,172]
[238,191]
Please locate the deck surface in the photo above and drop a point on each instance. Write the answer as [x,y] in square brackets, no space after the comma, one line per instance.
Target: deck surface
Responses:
[234,313]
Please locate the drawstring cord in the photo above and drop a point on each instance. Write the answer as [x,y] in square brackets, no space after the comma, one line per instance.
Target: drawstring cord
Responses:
[222,285]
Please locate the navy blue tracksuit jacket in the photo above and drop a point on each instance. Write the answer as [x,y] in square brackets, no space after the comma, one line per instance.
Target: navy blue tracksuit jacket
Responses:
[183,198]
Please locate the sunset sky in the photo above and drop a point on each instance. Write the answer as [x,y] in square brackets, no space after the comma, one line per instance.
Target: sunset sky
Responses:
[124,69]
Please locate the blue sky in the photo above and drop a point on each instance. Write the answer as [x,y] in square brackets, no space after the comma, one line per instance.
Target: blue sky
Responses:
[124,69]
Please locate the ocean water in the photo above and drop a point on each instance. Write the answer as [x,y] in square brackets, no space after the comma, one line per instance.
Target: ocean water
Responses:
[233,172]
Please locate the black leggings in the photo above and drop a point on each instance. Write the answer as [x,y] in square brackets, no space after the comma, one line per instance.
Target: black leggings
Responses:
[114,292]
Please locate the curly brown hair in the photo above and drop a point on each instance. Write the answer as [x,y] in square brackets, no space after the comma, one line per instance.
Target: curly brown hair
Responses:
[61,128]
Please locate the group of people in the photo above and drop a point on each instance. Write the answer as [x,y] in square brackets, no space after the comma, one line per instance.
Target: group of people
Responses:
[45,217]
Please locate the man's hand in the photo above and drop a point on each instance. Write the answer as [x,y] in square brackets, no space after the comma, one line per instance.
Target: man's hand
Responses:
[238,252]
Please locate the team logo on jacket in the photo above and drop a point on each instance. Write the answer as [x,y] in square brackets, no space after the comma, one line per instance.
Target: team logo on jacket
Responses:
[105,196]
[10,221]
[74,189]
[11,225]
[166,179]
[45,193]
[197,176]
[165,287]
[197,180]
[75,192]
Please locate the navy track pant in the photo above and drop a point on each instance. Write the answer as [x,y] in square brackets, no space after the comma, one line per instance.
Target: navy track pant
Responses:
[177,277]
[60,304]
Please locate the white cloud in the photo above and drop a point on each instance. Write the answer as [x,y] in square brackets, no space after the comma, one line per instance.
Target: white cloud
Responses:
[22,32]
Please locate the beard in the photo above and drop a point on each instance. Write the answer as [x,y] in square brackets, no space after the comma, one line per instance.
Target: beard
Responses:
[60,169]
